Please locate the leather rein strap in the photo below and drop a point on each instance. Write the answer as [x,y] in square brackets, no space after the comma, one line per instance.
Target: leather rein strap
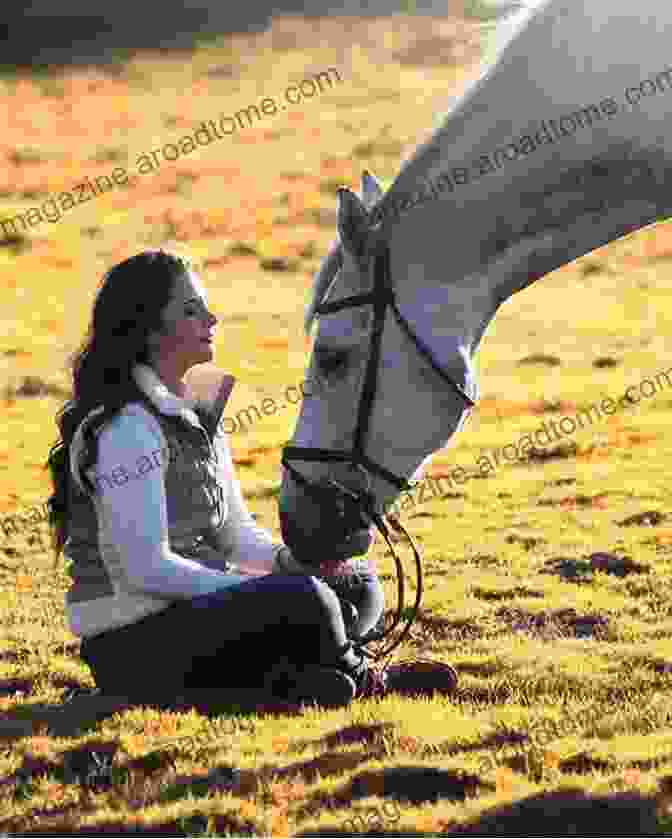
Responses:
[361,503]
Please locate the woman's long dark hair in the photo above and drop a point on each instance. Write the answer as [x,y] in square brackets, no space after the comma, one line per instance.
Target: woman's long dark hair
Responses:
[127,308]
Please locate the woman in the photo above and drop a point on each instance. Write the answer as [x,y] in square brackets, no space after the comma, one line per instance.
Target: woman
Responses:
[174,586]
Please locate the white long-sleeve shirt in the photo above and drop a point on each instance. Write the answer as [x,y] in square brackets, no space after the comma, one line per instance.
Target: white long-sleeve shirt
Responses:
[133,542]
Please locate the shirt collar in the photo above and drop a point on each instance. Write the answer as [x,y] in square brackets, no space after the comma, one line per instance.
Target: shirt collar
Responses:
[156,391]
[163,399]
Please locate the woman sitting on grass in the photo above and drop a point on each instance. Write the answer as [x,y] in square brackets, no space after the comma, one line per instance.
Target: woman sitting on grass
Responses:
[175,589]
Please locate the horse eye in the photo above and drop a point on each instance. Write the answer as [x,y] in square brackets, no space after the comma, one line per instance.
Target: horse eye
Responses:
[328,361]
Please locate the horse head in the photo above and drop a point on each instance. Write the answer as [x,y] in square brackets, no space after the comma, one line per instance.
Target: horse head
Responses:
[355,447]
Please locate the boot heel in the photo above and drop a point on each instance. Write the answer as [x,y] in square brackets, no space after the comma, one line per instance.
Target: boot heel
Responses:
[325,686]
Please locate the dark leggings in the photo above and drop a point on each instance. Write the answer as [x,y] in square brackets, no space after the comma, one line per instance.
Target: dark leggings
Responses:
[233,637]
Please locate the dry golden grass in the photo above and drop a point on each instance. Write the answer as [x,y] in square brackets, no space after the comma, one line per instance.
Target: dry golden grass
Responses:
[549,637]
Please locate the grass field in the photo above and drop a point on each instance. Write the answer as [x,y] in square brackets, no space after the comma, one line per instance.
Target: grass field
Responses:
[546,581]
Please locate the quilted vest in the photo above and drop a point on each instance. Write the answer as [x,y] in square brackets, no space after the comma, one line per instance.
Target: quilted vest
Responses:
[196,505]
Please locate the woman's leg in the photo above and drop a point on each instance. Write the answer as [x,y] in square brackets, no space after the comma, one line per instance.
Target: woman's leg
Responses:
[365,592]
[279,616]
[228,638]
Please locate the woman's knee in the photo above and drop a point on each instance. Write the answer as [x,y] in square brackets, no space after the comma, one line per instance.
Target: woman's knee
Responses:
[325,596]
[367,594]
[308,597]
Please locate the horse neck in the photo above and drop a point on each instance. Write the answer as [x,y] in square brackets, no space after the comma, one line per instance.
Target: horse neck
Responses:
[452,317]
[550,154]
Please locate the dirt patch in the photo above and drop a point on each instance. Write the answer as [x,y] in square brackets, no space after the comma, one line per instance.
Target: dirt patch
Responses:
[578,570]
[505,594]
[619,566]
[649,518]
[369,735]
[434,628]
[550,625]
[583,763]
[528,542]
[418,784]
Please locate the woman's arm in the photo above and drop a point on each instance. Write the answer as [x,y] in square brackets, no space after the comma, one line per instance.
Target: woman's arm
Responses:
[252,548]
[133,517]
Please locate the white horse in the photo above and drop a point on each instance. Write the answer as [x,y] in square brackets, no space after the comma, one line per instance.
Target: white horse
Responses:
[562,145]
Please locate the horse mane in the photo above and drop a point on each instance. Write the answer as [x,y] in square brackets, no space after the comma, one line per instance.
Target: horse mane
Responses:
[323,280]
[502,31]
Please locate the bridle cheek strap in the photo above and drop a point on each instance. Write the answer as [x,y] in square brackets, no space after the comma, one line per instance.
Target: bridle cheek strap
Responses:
[381,297]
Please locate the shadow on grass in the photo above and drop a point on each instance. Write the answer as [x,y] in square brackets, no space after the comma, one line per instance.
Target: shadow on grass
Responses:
[153,780]
[568,812]
[67,719]
[52,42]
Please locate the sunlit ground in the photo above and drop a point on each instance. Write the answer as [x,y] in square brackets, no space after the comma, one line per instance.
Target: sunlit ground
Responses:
[542,632]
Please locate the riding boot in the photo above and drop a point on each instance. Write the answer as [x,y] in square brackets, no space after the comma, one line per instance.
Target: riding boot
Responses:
[329,687]
[413,677]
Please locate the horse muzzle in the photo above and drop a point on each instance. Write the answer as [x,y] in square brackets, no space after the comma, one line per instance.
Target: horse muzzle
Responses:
[332,527]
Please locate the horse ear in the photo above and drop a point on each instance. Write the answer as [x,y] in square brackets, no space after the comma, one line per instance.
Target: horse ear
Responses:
[353,222]
[371,189]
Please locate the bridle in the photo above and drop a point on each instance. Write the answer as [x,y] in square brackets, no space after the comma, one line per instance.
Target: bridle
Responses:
[357,508]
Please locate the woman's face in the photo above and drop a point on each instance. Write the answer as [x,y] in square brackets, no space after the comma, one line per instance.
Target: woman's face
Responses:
[187,324]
